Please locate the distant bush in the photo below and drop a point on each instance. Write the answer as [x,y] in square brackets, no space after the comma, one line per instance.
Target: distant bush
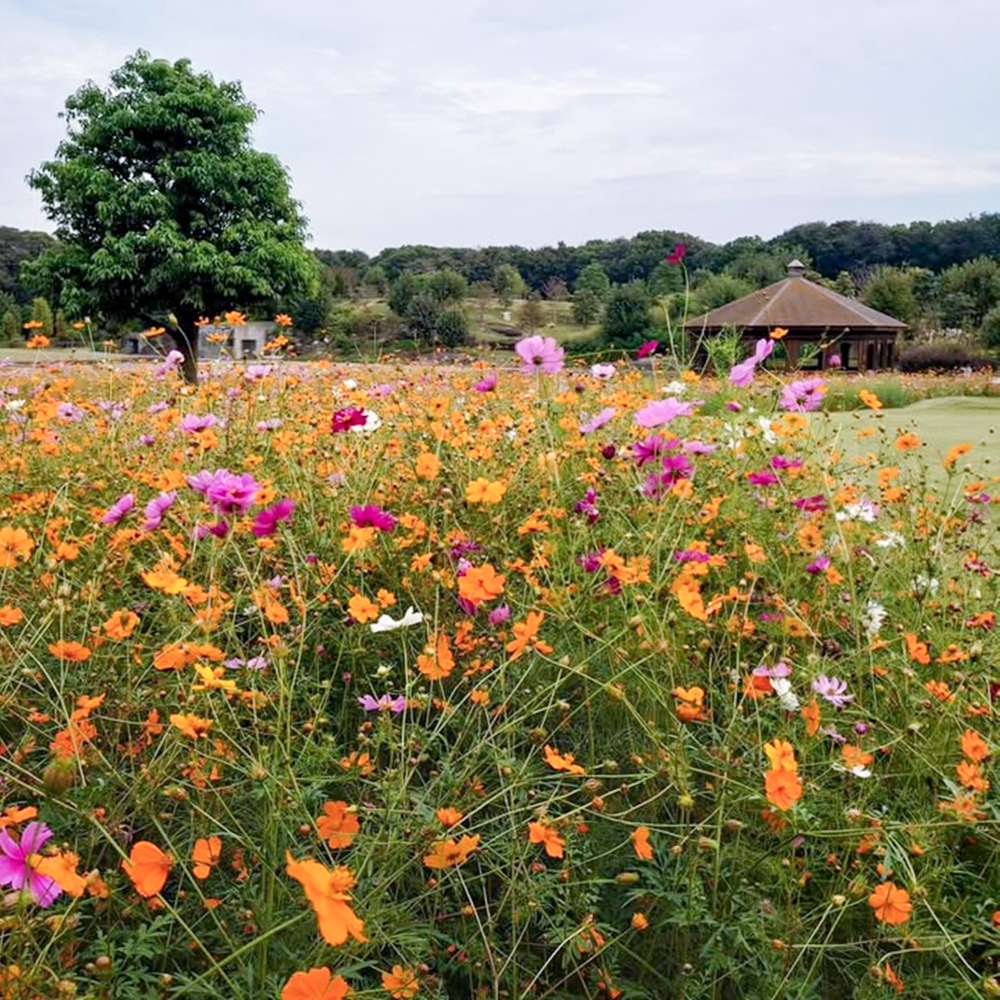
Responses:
[943,357]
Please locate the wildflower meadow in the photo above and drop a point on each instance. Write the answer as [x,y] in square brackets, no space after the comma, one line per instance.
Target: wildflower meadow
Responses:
[527,680]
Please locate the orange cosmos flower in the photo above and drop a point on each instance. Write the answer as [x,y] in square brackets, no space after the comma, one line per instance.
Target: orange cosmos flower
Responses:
[485,492]
[783,788]
[13,815]
[639,921]
[338,826]
[10,615]
[401,983]
[870,400]
[361,609]
[526,632]
[907,442]
[448,816]
[974,746]
[778,332]
[955,453]
[329,893]
[74,651]
[544,833]
[811,714]
[437,660]
[428,466]
[691,706]
[448,853]
[971,777]
[891,904]
[61,868]
[121,624]
[316,984]
[640,841]
[205,856]
[481,583]
[191,725]
[283,319]
[235,318]
[15,543]
[781,754]
[855,756]
[148,867]
[561,762]
[892,979]
[918,651]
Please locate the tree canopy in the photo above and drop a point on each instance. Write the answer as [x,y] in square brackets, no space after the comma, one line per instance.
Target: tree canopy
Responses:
[163,209]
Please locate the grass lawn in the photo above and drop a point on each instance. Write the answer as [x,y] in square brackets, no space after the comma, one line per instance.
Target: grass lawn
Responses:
[939,423]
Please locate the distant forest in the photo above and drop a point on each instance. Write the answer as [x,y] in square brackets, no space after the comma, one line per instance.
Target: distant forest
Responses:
[829,249]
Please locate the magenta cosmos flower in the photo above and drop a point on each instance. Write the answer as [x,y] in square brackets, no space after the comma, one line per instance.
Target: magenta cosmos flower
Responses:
[384,704]
[372,516]
[266,521]
[344,420]
[15,864]
[540,352]
[156,508]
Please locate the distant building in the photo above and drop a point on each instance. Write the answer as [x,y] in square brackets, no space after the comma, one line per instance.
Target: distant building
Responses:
[239,342]
[850,335]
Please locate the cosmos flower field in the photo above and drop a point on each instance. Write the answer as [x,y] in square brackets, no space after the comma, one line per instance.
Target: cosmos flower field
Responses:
[527,681]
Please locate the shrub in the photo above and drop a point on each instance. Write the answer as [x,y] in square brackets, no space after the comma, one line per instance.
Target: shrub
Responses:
[942,357]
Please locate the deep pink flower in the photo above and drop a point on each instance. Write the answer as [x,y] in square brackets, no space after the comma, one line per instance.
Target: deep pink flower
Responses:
[646,349]
[119,509]
[651,448]
[15,863]
[372,516]
[344,420]
[540,352]
[677,254]
[588,506]
[487,384]
[266,521]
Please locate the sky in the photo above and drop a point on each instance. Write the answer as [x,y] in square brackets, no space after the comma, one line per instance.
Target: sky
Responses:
[477,122]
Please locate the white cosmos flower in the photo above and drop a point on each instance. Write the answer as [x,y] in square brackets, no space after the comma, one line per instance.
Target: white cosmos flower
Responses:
[372,423]
[387,624]
[782,687]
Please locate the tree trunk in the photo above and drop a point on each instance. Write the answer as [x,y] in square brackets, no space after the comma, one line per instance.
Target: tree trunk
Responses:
[185,336]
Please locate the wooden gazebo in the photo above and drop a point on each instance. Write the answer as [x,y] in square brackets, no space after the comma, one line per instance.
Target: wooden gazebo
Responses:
[862,338]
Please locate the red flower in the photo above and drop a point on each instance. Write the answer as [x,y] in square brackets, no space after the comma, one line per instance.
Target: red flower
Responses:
[677,254]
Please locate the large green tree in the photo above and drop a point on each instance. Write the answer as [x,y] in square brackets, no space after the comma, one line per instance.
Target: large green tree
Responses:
[164,210]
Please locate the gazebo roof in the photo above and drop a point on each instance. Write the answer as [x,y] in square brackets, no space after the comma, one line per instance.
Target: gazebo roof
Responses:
[796,303]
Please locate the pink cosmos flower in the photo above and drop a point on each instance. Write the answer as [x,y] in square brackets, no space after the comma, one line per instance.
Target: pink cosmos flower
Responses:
[194,423]
[15,864]
[226,492]
[598,420]
[648,348]
[487,384]
[803,395]
[119,509]
[156,508]
[384,704]
[540,352]
[833,690]
[662,411]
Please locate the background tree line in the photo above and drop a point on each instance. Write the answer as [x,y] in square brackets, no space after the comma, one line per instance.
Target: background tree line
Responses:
[930,275]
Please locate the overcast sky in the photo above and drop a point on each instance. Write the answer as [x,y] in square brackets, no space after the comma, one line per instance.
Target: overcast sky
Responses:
[478,122]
